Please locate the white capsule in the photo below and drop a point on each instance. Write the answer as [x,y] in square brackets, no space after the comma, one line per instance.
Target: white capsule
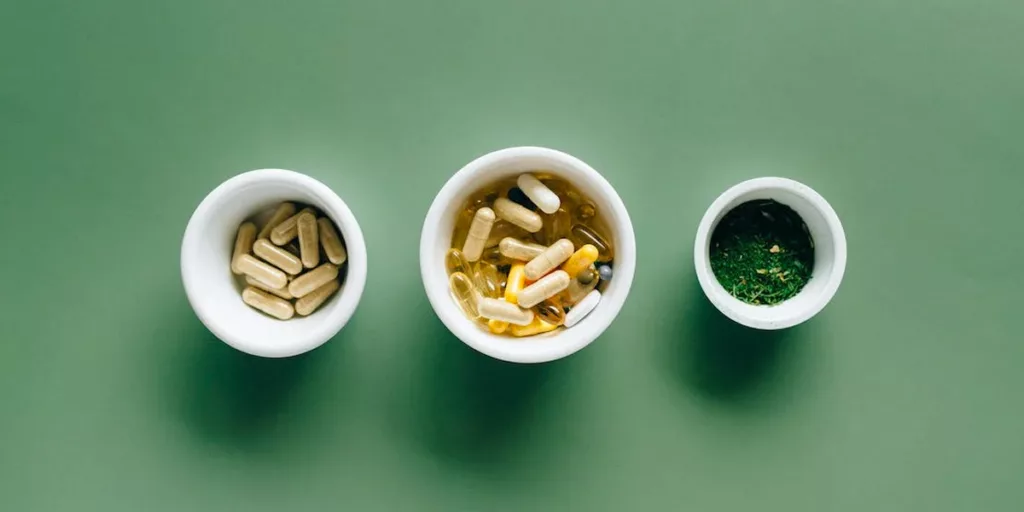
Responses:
[540,194]
[548,286]
[516,249]
[582,308]
[479,230]
[518,214]
[499,309]
[549,259]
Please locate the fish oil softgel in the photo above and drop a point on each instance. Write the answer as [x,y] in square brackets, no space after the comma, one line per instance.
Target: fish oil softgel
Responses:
[292,264]
[529,255]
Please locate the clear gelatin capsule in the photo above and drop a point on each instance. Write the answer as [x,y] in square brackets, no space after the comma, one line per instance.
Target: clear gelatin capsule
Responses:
[550,311]
[494,256]
[462,223]
[547,286]
[283,211]
[584,212]
[502,230]
[306,283]
[455,261]
[267,303]
[313,300]
[583,234]
[243,243]
[465,294]
[556,226]
[334,249]
[479,230]
[486,279]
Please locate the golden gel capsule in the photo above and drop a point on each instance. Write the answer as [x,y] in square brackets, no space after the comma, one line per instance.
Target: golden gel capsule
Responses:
[330,241]
[309,240]
[277,256]
[550,311]
[548,286]
[306,283]
[462,223]
[288,229]
[479,230]
[465,294]
[515,283]
[280,292]
[587,275]
[583,234]
[243,243]
[267,303]
[519,250]
[538,326]
[557,226]
[580,260]
[518,215]
[497,326]
[540,194]
[314,299]
[455,261]
[577,290]
[486,279]
[261,271]
[283,211]
[548,260]
[584,212]
[493,256]
[503,230]
[498,309]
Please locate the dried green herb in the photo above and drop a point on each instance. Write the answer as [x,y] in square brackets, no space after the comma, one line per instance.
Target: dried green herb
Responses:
[762,252]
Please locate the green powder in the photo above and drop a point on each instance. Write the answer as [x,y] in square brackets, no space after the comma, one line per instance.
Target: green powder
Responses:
[761,252]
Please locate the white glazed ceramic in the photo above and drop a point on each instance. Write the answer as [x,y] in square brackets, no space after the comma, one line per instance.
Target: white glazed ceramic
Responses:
[829,253]
[213,290]
[436,238]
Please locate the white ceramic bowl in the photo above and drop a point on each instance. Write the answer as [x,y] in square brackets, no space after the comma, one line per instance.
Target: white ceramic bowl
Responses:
[213,290]
[437,235]
[829,253]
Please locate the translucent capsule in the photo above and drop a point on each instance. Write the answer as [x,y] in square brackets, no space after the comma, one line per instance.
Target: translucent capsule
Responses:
[516,214]
[313,279]
[288,229]
[547,286]
[584,212]
[577,290]
[314,299]
[497,326]
[280,292]
[493,256]
[587,275]
[243,243]
[462,223]
[309,240]
[550,311]
[267,303]
[568,196]
[465,294]
[481,199]
[540,194]
[520,250]
[548,260]
[538,326]
[556,226]
[479,230]
[580,260]
[583,234]
[515,283]
[503,230]
[455,261]
[582,308]
[277,256]
[330,241]
[263,272]
[486,280]
[498,309]
[283,211]
[605,272]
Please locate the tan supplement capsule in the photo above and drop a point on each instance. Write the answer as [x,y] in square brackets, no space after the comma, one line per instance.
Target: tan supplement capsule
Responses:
[549,286]
[330,241]
[549,259]
[267,303]
[499,309]
[519,250]
[311,301]
[277,256]
[479,230]
[313,279]
[263,272]
[309,240]
[288,229]
[518,215]
[256,283]
[577,289]
[243,243]
[283,211]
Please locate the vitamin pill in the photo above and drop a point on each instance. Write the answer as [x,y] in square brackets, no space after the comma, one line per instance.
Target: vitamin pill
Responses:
[547,286]
[280,292]
[283,211]
[277,256]
[479,230]
[267,303]
[465,294]
[519,250]
[577,290]
[584,212]
[497,326]
[497,309]
[313,279]
[518,215]
[309,240]
[261,271]
[583,234]
[330,241]
[586,276]
[550,311]
[580,260]
[493,256]
[503,230]
[314,299]
[515,283]
[557,226]
[462,222]
[605,272]
[582,308]
[549,259]
[455,261]
[538,326]
[243,243]
[486,280]
[288,229]
[539,193]
[517,196]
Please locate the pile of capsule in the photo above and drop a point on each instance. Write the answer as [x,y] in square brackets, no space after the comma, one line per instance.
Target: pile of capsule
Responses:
[283,277]
[528,256]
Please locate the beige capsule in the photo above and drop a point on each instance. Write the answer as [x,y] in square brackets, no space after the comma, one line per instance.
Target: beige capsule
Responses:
[331,242]
[519,250]
[251,266]
[267,303]
[277,256]
[314,299]
[306,283]
[309,240]
[288,229]
[243,243]
[499,309]
[518,215]
[548,286]
[280,292]
[549,259]
[577,289]
[283,211]
[479,230]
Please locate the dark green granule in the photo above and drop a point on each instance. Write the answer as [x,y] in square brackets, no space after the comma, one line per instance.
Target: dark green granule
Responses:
[762,253]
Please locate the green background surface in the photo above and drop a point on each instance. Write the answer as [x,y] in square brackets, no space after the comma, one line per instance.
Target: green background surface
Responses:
[117,117]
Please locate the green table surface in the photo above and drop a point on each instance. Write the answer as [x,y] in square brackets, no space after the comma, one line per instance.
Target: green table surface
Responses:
[904,394]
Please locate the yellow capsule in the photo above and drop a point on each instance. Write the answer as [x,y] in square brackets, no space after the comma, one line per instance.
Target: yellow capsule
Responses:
[309,240]
[331,241]
[280,292]
[263,272]
[520,250]
[515,283]
[479,230]
[283,211]
[267,303]
[314,299]
[497,326]
[538,326]
[518,215]
[288,229]
[547,286]
[577,290]
[580,260]
[556,226]
[306,283]
[465,294]
[277,256]
[550,259]
[486,280]
[498,309]
[584,212]
[550,310]
[455,261]
[583,234]
[243,243]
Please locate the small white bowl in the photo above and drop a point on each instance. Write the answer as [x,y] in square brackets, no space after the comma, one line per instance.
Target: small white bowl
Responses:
[213,290]
[829,253]
[436,239]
